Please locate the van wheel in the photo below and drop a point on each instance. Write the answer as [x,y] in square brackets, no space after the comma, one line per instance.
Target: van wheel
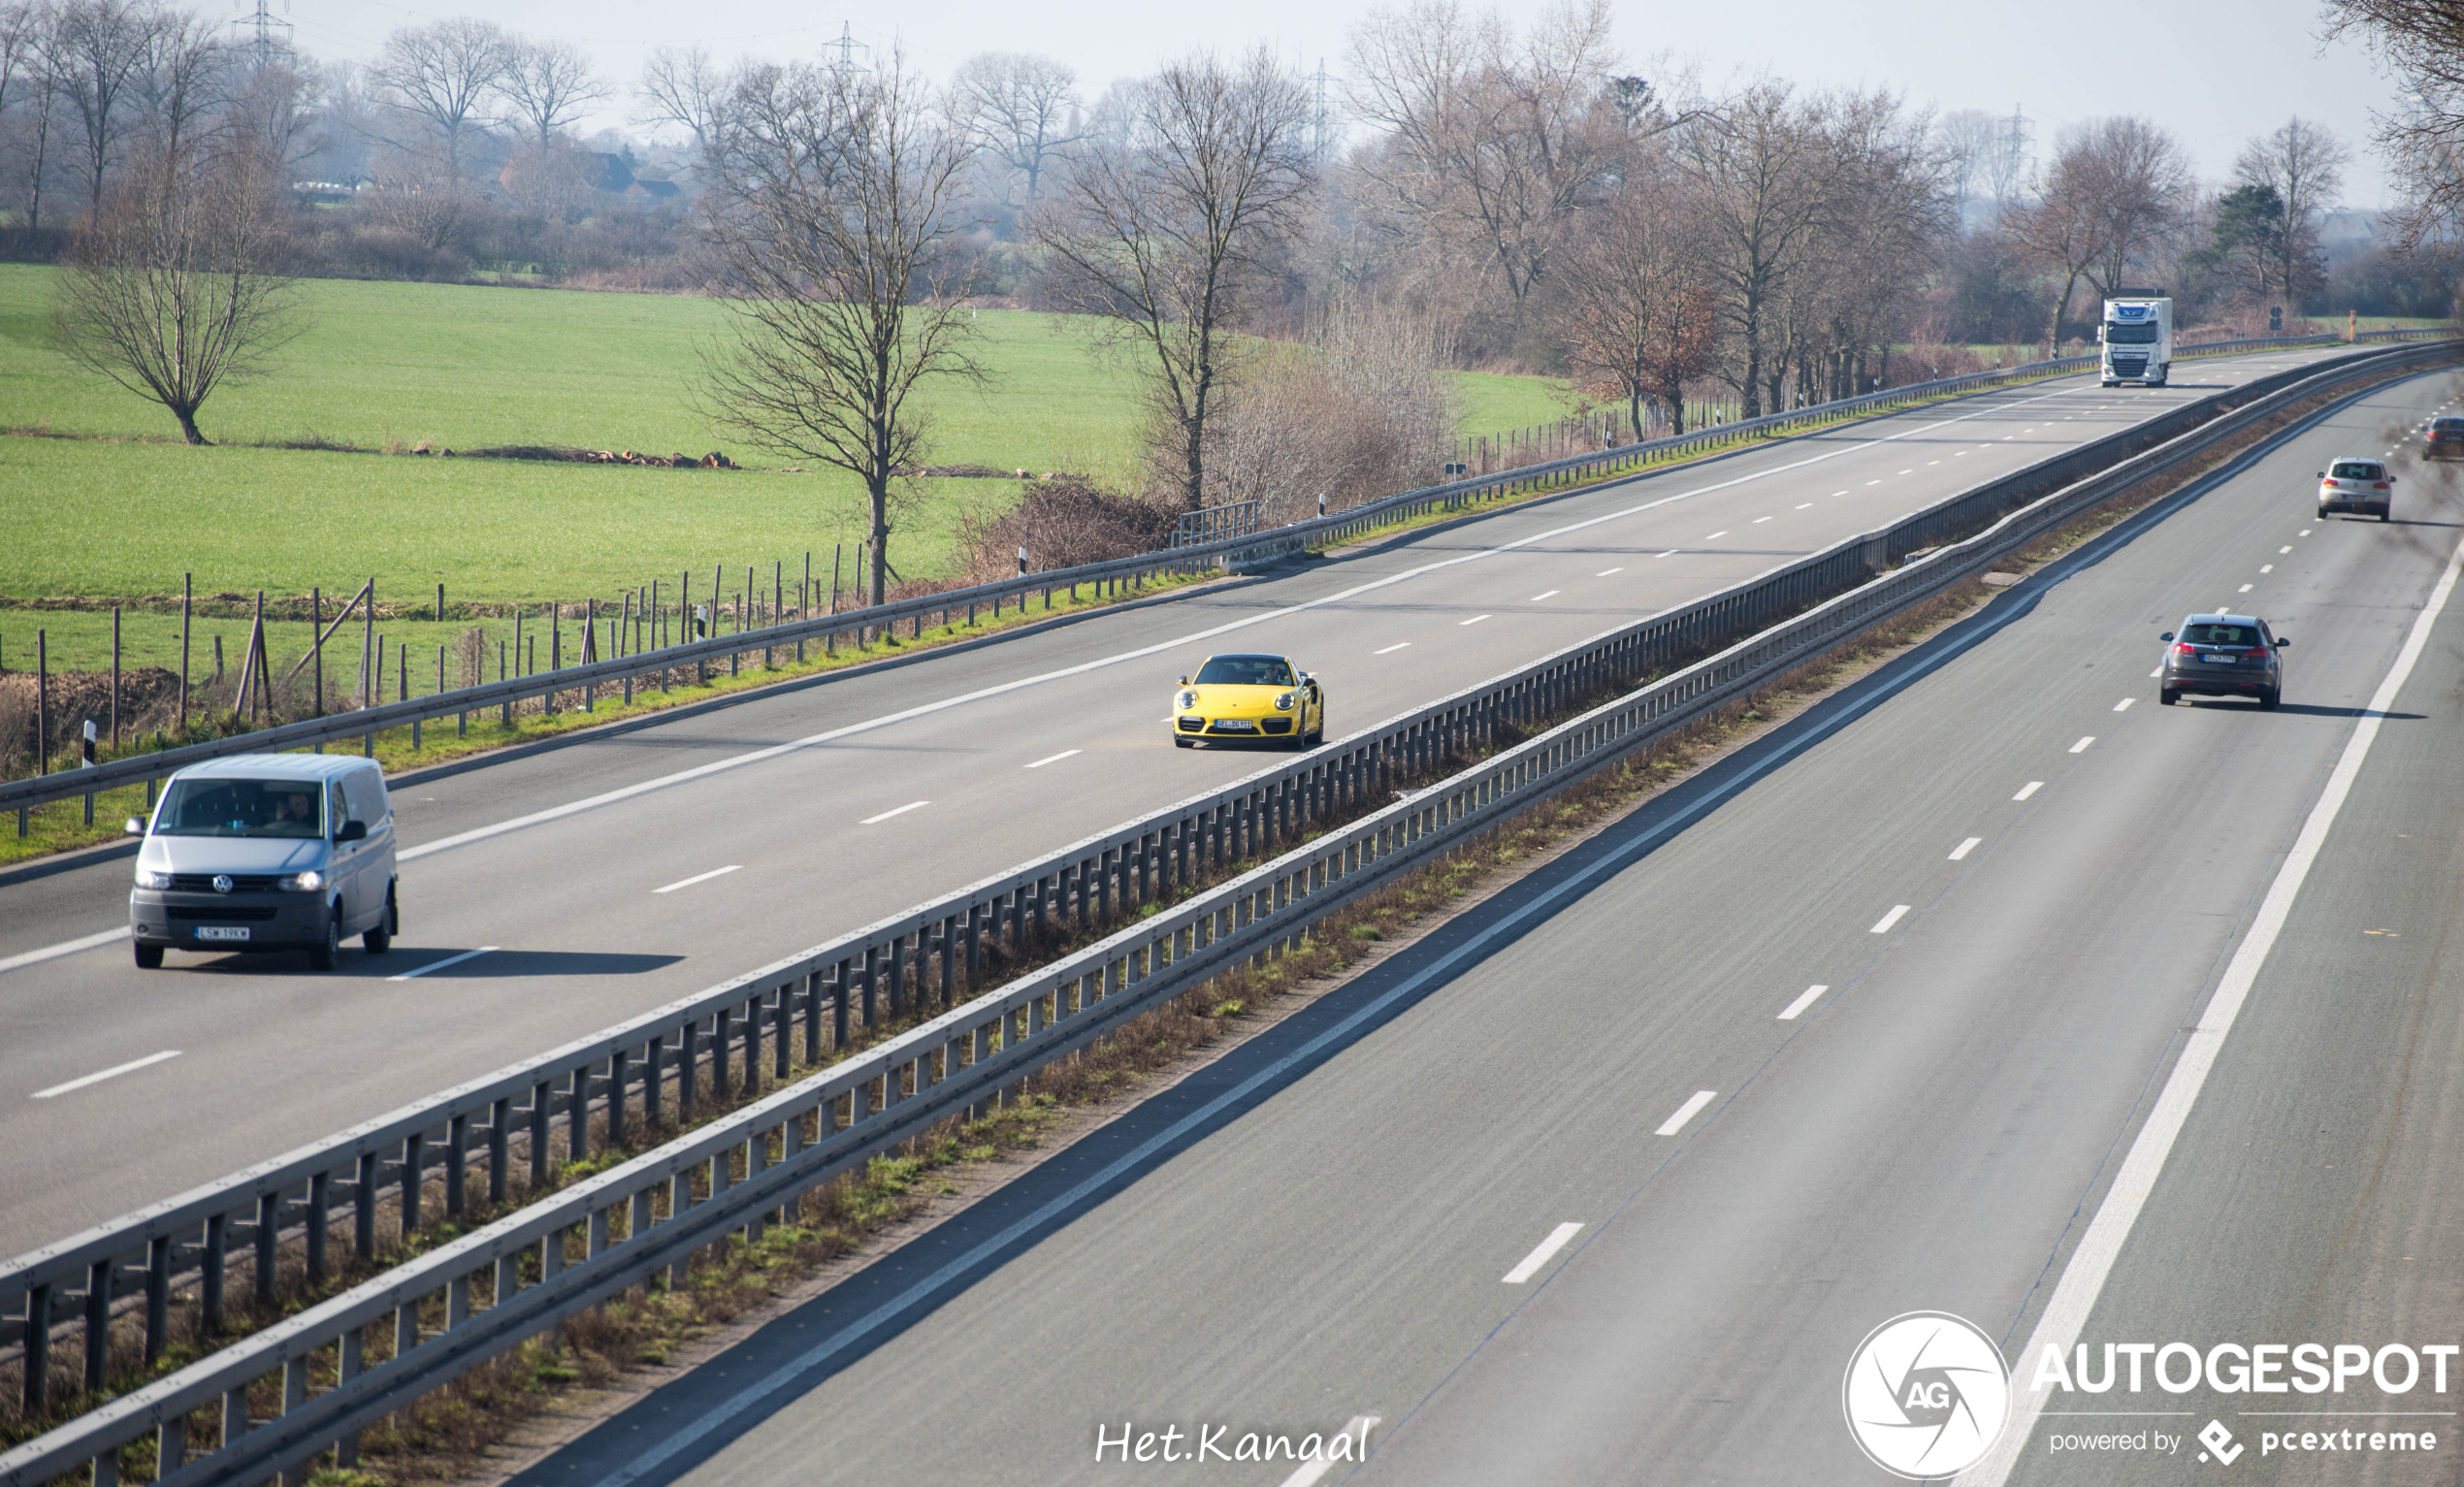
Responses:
[379,937]
[321,956]
[149,957]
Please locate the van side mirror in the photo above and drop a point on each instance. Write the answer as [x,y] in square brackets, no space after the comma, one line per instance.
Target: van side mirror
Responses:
[2167,635]
[135,826]
[352,831]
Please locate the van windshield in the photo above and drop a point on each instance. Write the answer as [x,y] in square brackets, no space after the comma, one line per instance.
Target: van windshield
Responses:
[2130,334]
[217,807]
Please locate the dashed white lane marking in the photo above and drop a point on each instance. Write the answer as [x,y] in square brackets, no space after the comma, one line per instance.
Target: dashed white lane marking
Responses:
[64,948]
[1808,997]
[1604,572]
[1475,619]
[1053,758]
[1715,536]
[1907,472]
[1687,1112]
[1390,649]
[467,954]
[1358,1428]
[1807,507]
[2123,705]
[2305,531]
[1959,852]
[912,805]
[2083,1278]
[1540,1253]
[1883,925]
[2081,747]
[2029,788]
[1537,597]
[113,1072]
[1838,492]
[1760,520]
[2159,671]
[1873,482]
[1670,553]
[2244,588]
[716,872]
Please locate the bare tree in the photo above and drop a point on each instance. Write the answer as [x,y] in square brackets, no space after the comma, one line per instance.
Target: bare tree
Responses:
[278,108]
[100,44]
[828,206]
[441,74]
[2303,164]
[682,87]
[1496,141]
[47,60]
[2421,41]
[549,84]
[1971,139]
[175,286]
[183,78]
[1018,109]
[1762,172]
[1638,318]
[1158,234]
[2118,189]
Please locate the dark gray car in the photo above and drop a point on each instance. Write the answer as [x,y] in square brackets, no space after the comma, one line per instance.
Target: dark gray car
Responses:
[2224,655]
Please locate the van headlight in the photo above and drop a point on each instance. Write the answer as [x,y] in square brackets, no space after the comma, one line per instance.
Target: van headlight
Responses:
[301,883]
[1283,702]
[147,878]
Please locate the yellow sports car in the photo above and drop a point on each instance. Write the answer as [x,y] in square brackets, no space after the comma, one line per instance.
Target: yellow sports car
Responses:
[1248,697]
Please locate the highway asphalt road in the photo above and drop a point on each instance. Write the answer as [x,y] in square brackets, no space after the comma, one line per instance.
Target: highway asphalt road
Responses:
[906,782]
[1872,1037]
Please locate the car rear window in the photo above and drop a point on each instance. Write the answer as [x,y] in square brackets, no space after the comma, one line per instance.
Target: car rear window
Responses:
[2355,470]
[2447,426]
[1245,671]
[2219,634]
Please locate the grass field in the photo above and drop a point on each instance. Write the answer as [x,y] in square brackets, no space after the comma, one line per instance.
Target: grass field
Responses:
[115,512]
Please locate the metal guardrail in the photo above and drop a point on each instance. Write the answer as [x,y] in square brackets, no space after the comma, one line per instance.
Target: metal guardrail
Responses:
[514,1278]
[1241,549]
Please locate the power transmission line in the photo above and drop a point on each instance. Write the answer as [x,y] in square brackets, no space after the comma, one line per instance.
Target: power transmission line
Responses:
[847,47]
[267,46]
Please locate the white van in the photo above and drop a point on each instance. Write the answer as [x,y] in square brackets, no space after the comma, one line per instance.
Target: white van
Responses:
[262,852]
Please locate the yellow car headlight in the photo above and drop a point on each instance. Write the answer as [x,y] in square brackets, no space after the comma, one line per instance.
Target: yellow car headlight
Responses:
[1188,700]
[1283,702]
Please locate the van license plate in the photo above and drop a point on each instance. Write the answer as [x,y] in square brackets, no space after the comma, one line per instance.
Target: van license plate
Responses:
[223,931]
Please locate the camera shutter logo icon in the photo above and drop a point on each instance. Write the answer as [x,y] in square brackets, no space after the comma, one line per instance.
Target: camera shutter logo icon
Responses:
[1926,1394]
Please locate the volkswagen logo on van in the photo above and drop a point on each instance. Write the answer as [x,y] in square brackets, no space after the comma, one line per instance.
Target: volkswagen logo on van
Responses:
[223,883]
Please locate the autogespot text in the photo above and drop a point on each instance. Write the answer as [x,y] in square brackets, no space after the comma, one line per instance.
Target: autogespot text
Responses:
[2381,1389]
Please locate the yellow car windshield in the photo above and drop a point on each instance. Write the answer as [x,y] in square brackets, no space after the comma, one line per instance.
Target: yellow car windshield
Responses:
[1245,671]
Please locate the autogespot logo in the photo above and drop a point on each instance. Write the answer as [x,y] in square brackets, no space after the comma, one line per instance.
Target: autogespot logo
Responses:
[1926,1395]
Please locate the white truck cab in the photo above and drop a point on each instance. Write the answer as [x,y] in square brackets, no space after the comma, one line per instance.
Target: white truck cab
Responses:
[2136,338]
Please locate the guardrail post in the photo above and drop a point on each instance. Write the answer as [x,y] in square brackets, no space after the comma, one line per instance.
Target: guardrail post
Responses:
[209,1275]
[577,1110]
[363,1208]
[813,1018]
[269,1231]
[159,1257]
[320,1196]
[38,1347]
[457,1143]
[618,1068]
[872,966]
[753,1009]
[721,1042]
[499,1142]
[413,1151]
[688,1067]
[785,1020]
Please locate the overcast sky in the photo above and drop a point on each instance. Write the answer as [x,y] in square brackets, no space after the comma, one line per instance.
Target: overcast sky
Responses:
[2212,71]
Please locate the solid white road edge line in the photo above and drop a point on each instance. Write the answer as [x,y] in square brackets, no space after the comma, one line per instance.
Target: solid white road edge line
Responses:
[64,948]
[1556,1241]
[912,805]
[2029,788]
[1358,1428]
[1959,852]
[1687,1112]
[1810,997]
[2083,1280]
[112,1073]
[467,954]
[1053,758]
[716,872]
[1883,925]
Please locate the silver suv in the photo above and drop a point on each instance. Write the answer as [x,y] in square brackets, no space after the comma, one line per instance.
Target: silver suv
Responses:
[2225,655]
[267,852]
[2357,484]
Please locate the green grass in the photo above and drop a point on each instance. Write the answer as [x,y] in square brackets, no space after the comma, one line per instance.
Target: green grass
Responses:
[387,364]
